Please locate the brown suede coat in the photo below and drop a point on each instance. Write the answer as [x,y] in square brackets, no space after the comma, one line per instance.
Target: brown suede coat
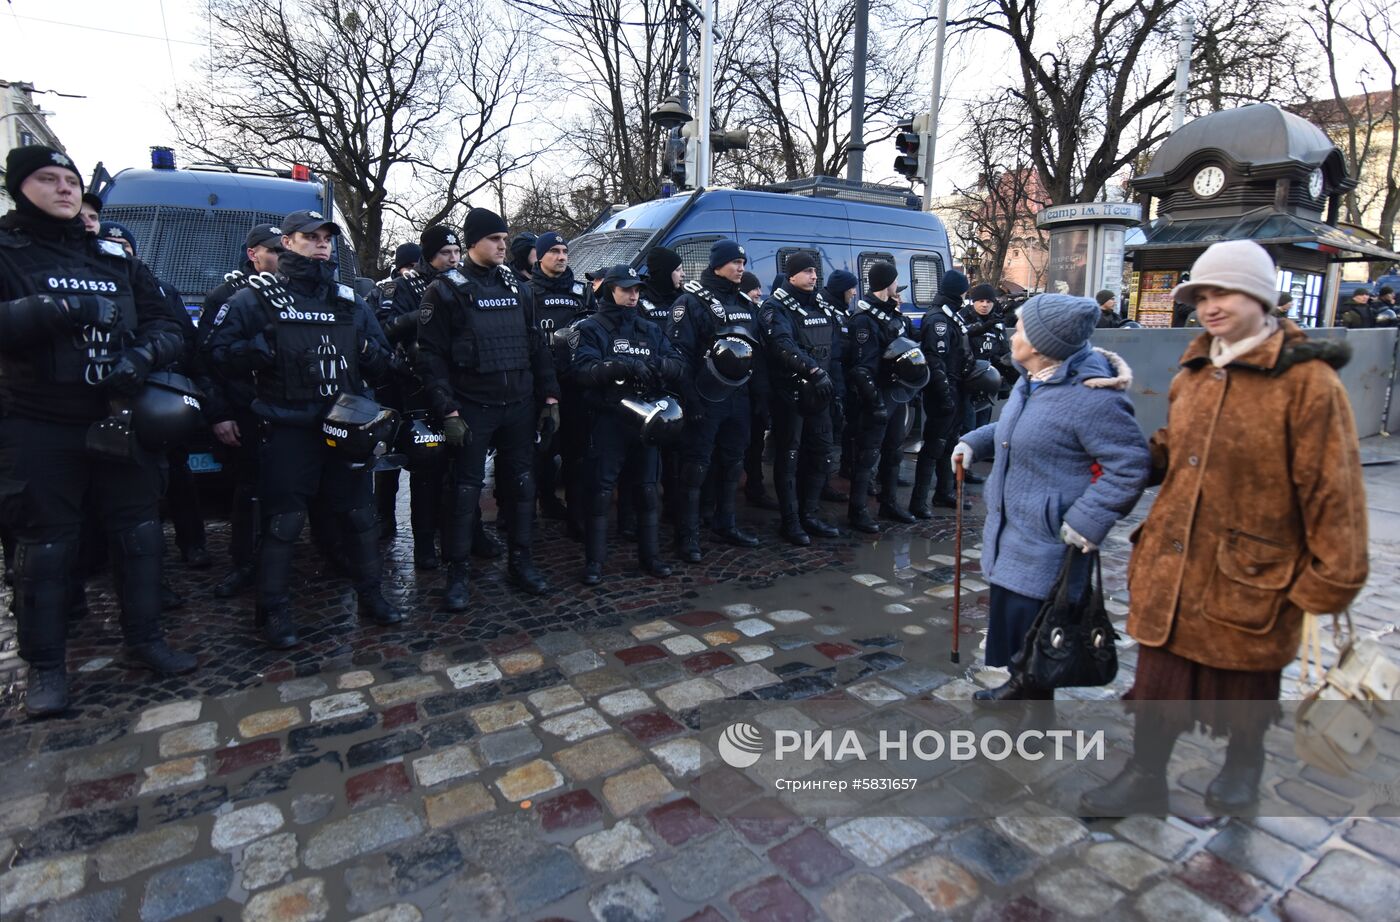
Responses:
[1262,511]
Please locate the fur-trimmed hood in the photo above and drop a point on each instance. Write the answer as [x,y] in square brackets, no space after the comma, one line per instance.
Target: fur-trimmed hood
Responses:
[1122,377]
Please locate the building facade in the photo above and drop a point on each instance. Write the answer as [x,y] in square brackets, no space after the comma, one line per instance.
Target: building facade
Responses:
[22,122]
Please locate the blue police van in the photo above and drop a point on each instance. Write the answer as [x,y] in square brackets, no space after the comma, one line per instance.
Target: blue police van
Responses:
[849,225]
[189,223]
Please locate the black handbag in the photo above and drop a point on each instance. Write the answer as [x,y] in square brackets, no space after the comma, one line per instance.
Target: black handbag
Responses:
[1070,643]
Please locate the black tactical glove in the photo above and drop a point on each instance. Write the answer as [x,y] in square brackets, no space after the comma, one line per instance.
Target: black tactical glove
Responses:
[641,373]
[455,432]
[879,410]
[549,421]
[616,370]
[130,370]
[821,382]
[91,310]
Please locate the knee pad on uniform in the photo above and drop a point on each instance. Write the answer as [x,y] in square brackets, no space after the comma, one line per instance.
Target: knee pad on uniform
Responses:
[143,540]
[45,561]
[598,503]
[361,518]
[523,488]
[693,475]
[829,464]
[286,526]
[648,498]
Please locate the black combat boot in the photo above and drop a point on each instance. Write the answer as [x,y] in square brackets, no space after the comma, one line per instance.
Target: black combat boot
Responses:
[1015,688]
[520,569]
[140,548]
[274,616]
[858,512]
[595,547]
[890,508]
[648,533]
[484,547]
[43,590]
[785,484]
[366,564]
[688,513]
[457,596]
[386,495]
[242,544]
[726,524]
[920,499]
[459,535]
[809,507]
[426,497]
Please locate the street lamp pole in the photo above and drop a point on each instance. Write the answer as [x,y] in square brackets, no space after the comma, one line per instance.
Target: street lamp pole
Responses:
[932,141]
[706,96]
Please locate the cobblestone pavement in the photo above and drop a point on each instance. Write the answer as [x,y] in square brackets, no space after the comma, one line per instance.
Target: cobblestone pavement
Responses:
[555,758]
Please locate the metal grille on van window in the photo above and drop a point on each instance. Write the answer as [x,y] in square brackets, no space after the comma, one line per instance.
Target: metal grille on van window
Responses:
[189,248]
[694,254]
[592,252]
[927,272]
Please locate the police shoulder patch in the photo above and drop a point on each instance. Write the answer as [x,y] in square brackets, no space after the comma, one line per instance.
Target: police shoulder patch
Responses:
[572,336]
[111,248]
[346,292]
[219,317]
[425,312]
[455,277]
[678,313]
[862,336]
[578,288]
[940,328]
[718,309]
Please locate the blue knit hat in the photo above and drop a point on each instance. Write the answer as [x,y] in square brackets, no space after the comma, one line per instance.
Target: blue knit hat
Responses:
[548,241]
[1057,326]
[724,252]
[841,281]
[111,230]
[954,284]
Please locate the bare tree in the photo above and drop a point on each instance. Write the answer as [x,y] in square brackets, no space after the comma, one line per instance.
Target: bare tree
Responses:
[370,93]
[1245,51]
[999,207]
[1366,122]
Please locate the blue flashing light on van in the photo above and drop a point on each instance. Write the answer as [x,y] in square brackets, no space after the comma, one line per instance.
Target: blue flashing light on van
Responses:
[851,225]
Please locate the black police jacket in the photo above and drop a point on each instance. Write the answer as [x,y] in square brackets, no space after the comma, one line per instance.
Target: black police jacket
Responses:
[398,318]
[304,344]
[226,396]
[656,299]
[943,337]
[874,324]
[802,334]
[618,344]
[49,371]
[559,302]
[478,340]
[703,308]
[987,336]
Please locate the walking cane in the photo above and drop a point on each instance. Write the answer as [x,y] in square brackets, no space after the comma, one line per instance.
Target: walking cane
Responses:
[957,559]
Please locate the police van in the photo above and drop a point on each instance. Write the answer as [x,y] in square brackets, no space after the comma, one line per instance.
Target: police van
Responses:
[850,225]
[189,223]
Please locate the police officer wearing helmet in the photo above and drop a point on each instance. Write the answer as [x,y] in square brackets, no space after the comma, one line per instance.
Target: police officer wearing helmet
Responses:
[439,249]
[560,300]
[228,407]
[629,372]
[805,353]
[715,328]
[81,326]
[875,325]
[944,339]
[489,375]
[309,343]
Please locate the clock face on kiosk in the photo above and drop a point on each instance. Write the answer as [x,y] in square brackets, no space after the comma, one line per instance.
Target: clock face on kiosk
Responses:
[1315,184]
[1208,181]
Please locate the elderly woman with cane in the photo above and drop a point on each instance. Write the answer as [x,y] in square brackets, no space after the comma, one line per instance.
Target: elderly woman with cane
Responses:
[1068,461]
[1261,517]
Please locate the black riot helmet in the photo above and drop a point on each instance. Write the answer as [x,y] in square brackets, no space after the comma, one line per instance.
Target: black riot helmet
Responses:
[728,363]
[904,369]
[1386,317]
[419,442]
[659,421]
[166,411]
[981,378]
[359,429]
[1131,325]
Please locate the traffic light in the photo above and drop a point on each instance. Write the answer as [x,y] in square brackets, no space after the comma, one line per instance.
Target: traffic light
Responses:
[907,142]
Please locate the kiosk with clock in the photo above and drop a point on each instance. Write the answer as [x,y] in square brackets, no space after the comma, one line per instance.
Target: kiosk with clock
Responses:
[1254,173]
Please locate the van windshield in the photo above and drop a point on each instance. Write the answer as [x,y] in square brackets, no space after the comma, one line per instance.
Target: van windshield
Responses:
[599,250]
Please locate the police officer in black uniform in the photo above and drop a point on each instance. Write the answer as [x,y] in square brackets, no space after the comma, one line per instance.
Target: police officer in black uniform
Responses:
[989,342]
[619,356]
[407,256]
[875,323]
[943,337]
[439,249]
[522,255]
[80,324]
[804,349]
[713,313]
[560,300]
[489,375]
[660,289]
[306,340]
[836,297]
[1359,313]
[228,407]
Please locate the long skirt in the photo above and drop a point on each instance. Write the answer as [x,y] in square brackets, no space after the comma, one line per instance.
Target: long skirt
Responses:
[1215,700]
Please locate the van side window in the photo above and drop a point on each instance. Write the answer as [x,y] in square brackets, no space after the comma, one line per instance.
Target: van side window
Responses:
[925,271]
[694,253]
[863,265]
[785,252]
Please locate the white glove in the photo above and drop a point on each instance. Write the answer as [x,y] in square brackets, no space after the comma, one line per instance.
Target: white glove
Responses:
[1075,539]
[962,452]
